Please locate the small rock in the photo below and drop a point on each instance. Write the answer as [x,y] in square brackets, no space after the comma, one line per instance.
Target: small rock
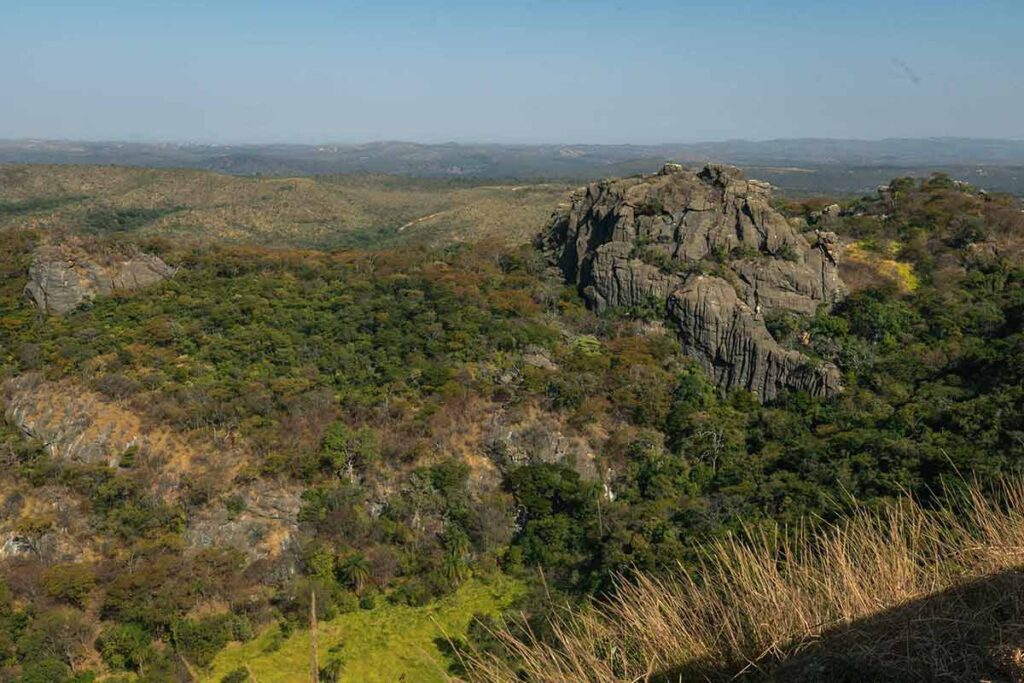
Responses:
[538,357]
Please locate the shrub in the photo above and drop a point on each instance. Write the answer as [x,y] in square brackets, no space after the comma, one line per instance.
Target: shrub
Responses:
[788,252]
[50,670]
[124,646]
[651,206]
[331,672]
[200,640]
[239,675]
[70,583]
[966,230]
[235,505]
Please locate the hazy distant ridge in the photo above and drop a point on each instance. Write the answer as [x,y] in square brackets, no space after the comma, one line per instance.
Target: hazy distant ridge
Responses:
[821,164]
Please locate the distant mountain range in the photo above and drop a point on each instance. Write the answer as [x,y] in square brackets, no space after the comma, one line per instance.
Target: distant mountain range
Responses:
[798,165]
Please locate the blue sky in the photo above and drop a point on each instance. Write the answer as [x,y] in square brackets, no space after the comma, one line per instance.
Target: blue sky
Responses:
[564,71]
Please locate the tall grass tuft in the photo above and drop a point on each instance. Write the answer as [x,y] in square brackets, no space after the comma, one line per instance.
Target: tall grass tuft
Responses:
[898,593]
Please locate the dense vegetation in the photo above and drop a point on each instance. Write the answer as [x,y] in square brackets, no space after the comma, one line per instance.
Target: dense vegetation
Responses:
[361,376]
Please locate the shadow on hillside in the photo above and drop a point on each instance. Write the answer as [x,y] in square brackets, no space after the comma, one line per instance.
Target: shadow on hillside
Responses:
[974,632]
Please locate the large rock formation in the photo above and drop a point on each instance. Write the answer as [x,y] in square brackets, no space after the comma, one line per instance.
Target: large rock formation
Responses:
[65,275]
[708,248]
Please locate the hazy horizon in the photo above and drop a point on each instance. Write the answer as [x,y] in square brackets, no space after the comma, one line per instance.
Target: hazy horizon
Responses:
[572,72]
[468,143]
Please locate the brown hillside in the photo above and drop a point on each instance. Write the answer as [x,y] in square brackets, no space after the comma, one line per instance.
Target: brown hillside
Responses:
[336,211]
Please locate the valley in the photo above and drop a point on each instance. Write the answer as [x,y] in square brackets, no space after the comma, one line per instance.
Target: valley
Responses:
[537,342]
[457,411]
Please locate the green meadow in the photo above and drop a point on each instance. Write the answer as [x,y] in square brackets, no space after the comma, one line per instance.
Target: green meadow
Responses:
[385,644]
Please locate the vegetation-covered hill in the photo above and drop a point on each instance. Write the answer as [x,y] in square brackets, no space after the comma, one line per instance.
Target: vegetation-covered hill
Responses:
[322,212]
[186,463]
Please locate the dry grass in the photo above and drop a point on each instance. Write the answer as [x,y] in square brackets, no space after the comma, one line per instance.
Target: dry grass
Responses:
[902,593]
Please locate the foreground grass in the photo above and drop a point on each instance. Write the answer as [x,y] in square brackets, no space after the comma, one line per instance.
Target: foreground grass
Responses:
[901,594]
[379,645]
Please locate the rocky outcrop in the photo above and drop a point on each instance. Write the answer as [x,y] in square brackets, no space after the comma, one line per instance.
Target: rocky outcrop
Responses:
[44,522]
[75,424]
[260,519]
[532,439]
[709,248]
[65,275]
[731,342]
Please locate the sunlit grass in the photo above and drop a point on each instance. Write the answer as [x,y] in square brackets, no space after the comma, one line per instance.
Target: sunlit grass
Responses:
[921,593]
[378,645]
[884,263]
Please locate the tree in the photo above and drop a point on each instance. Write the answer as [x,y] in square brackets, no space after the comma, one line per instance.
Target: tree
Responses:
[348,453]
[70,583]
[560,515]
[355,571]
[455,563]
[124,646]
[63,635]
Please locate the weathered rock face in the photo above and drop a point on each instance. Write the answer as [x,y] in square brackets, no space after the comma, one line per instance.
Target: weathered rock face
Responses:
[73,423]
[510,443]
[63,276]
[77,425]
[734,346]
[656,239]
[44,523]
[263,524]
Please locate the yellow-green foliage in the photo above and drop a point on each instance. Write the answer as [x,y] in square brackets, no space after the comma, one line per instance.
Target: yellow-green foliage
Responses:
[378,645]
[883,261]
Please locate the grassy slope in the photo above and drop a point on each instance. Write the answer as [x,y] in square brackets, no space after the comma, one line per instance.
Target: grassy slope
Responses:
[334,211]
[376,645]
[894,593]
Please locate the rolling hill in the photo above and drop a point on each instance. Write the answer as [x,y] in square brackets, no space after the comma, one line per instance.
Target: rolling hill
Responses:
[321,212]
